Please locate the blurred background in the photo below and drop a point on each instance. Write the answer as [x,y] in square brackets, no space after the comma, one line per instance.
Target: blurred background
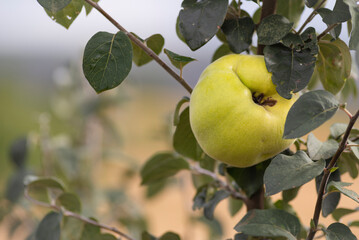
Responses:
[97,143]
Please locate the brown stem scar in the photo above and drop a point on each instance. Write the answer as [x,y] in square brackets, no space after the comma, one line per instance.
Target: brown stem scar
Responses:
[260,100]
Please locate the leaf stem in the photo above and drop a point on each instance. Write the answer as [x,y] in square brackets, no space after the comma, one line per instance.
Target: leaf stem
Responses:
[197,169]
[323,183]
[330,27]
[311,16]
[68,213]
[147,50]
[343,108]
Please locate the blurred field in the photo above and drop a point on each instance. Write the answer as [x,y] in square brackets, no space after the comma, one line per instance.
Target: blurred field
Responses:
[143,121]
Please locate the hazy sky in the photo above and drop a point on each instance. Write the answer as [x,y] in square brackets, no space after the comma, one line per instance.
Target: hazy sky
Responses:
[26,30]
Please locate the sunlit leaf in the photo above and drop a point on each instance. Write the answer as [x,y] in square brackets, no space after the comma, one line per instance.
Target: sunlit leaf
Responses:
[107,60]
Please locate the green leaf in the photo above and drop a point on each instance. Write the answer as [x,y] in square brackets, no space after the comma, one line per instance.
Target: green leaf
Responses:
[341,11]
[292,10]
[348,163]
[71,228]
[146,236]
[289,194]
[66,16]
[213,202]
[176,118]
[90,231]
[162,166]
[340,186]
[354,224]
[250,179]
[170,236]
[43,182]
[310,111]
[177,60]
[54,5]
[257,15]
[69,201]
[354,35]
[339,231]
[338,213]
[184,141]
[154,42]
[107,60]
[350,88]
[291,70]
[200,198]
[329,18]
[269,223]
[318,150]
[310,3]
[238,33]
[49,227]
[272,29]
[333,64]
[221,51]
[286,172]
[337,129]
[331,201]
[154,188]
[15,185]
[199,21]
[88,7]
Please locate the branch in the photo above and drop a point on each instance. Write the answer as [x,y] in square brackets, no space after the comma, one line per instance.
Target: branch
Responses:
[147,50]
[311,16]
[268,9]
[323,183]
[68,213]
[330,27]
[197,169]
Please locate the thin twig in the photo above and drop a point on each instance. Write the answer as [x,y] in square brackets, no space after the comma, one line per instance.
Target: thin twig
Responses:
[343,108]
[311,16]
[147,50]
[330,27]
[323,183]
[68,213]
[197,169]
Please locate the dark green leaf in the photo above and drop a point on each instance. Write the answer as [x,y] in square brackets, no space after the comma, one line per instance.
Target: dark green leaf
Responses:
[18,152]
[292,40]
[318,150]
[107,60]
[107,236]
[177,60]
[67,15]
[53,5]
[15,186]
[269,223]
[154,188]
[250,179]
[234,206]
[272,29]
[147,236]
[286,172]
[71,229]
[200,198]
[339,231]
[329,18]
[341,212]
[331,201]
[310,111]
[354,224]
[309,39]
[333,64]
[292,10]
[162,166]
[310,3]
[154,42]
[199,21]
[184,141]
[170,236]
[70,201]
[176,118]
[238,33]
[213,202]
[354,35]
[289,194]
[341,11]
[90,231]
[340,186]
[49,227]
[291,70]
[240,236]
[221,51]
